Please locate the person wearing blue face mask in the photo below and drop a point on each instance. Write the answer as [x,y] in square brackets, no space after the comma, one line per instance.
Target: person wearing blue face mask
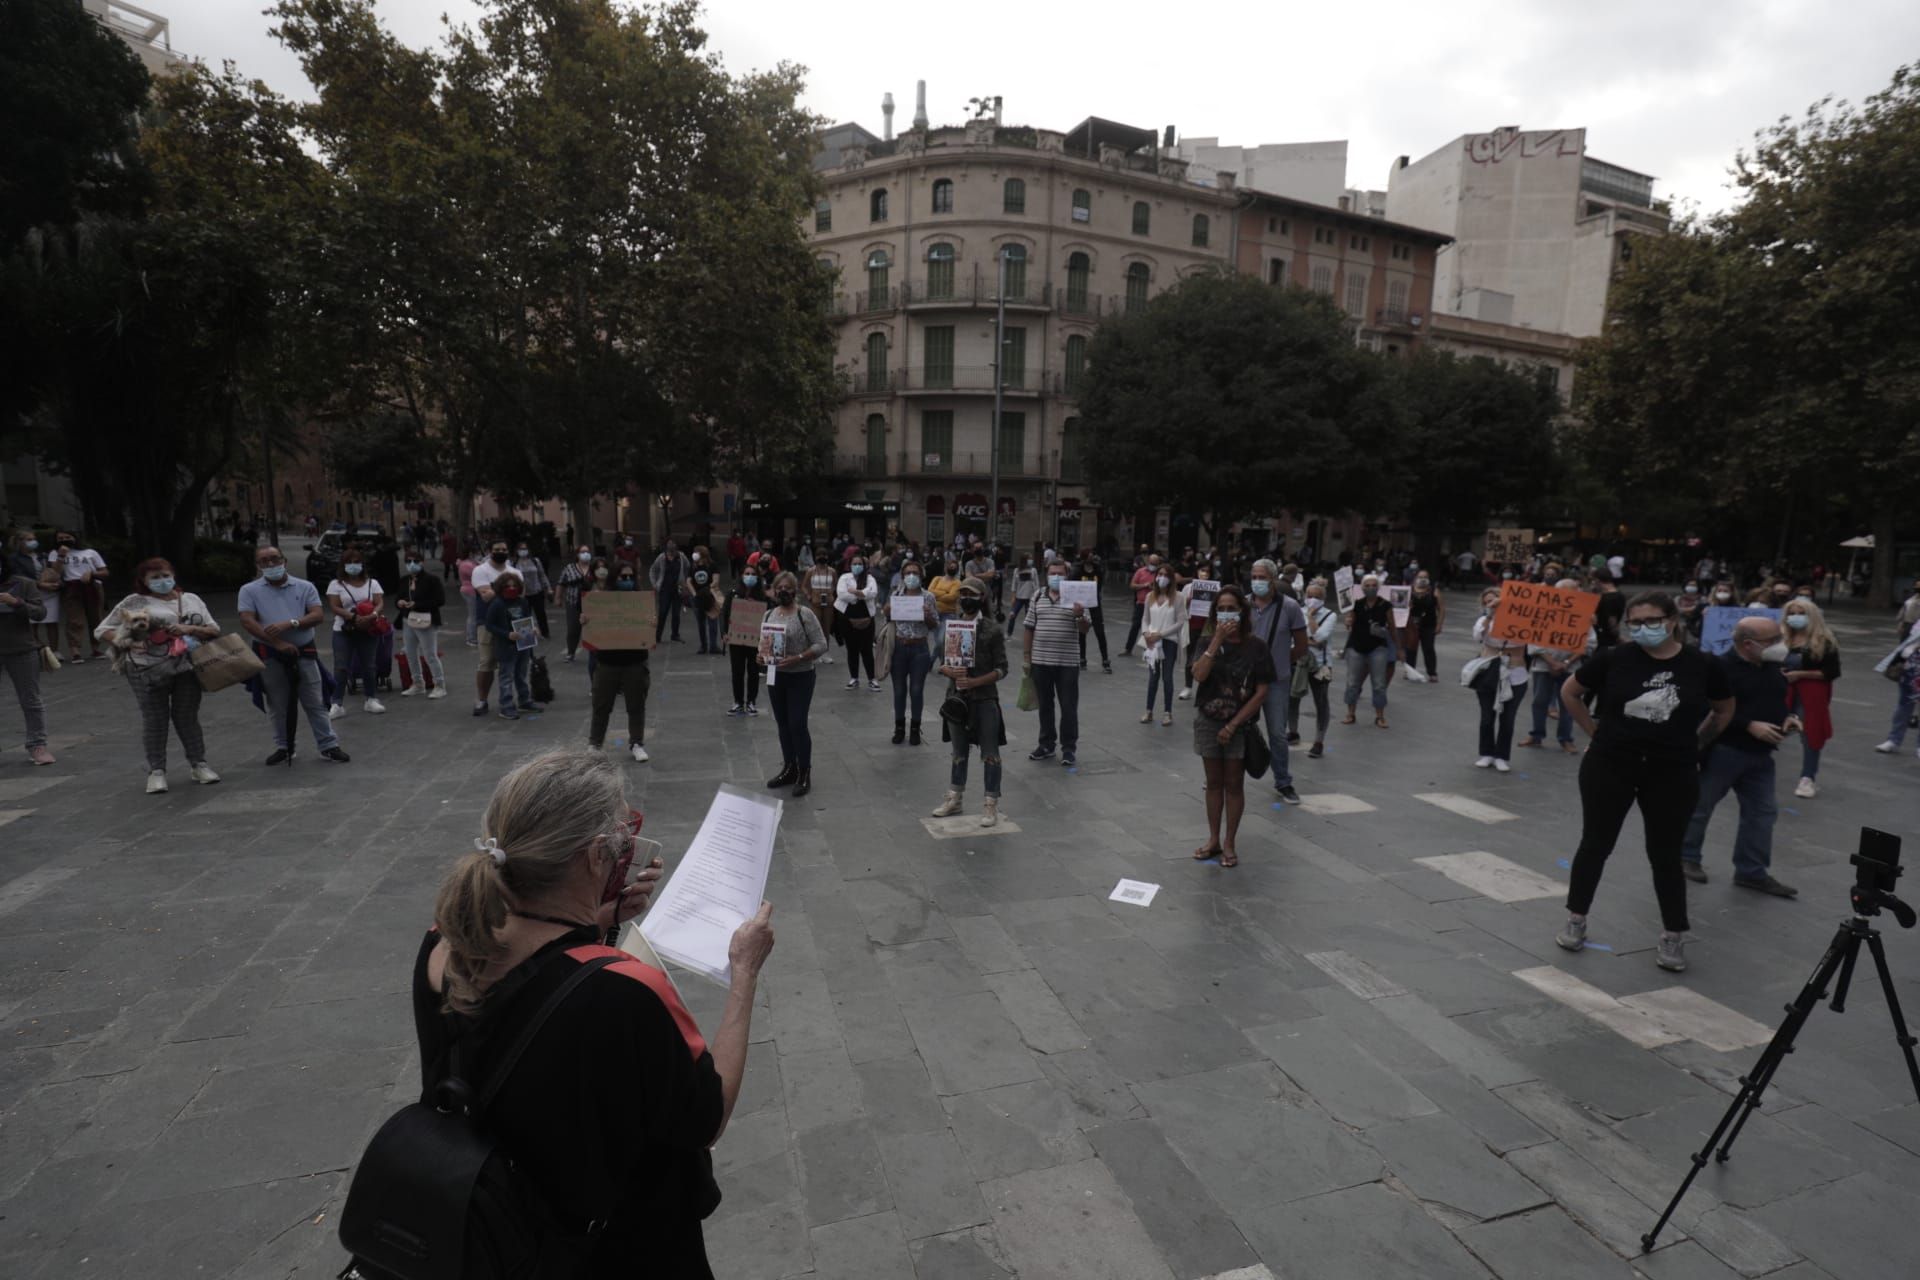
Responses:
[743,659]
[1235,673]
[417,614]
[914,618]
[856,598]
[575,581]
[150,631]
[1281,624]
[1812,665]
[1053,660]
[280,612]
[1657,704]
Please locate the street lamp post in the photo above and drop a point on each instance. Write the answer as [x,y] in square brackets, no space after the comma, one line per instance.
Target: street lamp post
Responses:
[999,384]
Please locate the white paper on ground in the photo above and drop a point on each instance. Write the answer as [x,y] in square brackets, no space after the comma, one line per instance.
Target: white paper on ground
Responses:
[717,886]
[1138,892]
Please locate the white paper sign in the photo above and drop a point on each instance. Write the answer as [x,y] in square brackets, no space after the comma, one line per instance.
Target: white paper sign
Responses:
[1343,586]
[1138,892]
[1081,593]
[718,885]
[906,608]
[1401,598]
[1200,602]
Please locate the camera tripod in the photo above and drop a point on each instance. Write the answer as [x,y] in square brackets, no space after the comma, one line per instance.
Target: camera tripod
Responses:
[1868,898]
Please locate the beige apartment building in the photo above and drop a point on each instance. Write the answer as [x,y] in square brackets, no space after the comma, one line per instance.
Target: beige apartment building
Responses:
[1095,221]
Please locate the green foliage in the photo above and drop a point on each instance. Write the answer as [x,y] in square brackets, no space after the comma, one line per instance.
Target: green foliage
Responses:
[1478,439]
[1224,395]
[1746,352]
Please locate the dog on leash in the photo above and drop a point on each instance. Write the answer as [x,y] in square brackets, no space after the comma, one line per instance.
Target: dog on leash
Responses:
[134,625]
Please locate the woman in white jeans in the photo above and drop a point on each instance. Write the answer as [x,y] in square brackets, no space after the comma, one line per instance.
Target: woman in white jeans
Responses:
[416,612]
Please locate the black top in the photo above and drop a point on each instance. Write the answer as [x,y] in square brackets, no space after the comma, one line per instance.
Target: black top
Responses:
[1369,614]
[425,591]
[1424,611]
[612,1107]
[1607,615]
[1652,704]
[1230,681]
[1759,694]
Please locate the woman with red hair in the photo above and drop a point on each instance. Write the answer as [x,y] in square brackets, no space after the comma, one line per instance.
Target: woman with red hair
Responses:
[153,627]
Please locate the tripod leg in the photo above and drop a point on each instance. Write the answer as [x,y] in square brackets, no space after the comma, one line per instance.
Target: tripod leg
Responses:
[1905,1037]
[1845,984]
[1757,1079]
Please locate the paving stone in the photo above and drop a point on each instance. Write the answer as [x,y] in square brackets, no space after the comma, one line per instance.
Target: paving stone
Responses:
[1683,1261]
[1769,1161]
[1440,1161]
[1192,1232]
[1360,1233]
[1598,1203]
[933,1191]
[1498,1125]
[869,1248]
[1089,1082]
[899,1097]
[769,1242]
[1071,1220]
[1044,1023]
[1322,1059]
[1845,1227]
[1158,1044]
[969,1044]
[972,1254]
[1015,1128]
[986,943]
[1545,1242]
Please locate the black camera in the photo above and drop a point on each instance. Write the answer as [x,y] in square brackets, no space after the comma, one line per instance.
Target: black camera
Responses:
[1880,869]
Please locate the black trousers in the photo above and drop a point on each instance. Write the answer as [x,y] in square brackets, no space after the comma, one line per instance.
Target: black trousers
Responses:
[1133,628]
[746,673]
[1421,645]
[539,602]
[627,683]
[1099,630]
[1666,786]
[859,648]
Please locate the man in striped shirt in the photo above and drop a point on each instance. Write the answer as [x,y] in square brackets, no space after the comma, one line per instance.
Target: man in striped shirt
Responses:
[1053,660]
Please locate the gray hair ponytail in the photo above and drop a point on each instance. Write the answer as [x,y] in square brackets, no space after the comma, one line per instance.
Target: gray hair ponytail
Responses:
[541,815]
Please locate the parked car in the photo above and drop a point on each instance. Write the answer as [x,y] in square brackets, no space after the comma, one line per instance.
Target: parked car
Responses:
[323,556]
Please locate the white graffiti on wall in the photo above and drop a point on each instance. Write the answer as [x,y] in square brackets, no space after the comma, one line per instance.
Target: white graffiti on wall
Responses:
[1492,148]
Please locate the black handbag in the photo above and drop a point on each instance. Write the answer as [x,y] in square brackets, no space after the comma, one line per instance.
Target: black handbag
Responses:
[956,710]
[1258,754]
[435,1197]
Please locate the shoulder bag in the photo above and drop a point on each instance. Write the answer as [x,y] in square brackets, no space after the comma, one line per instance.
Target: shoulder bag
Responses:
[435,1197]
[223,661]
[1258,754]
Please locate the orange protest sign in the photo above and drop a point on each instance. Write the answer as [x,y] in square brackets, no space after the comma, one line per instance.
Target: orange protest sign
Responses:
[1532,613]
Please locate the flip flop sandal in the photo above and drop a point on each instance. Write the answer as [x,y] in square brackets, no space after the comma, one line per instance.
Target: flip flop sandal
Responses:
[1229,859]
[1203,853]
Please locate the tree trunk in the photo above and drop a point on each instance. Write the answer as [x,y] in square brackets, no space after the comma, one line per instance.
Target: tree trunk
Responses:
[1880,582]
[580,512]
[462,514]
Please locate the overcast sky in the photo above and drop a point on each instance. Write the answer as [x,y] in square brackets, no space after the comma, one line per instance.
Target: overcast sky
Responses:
[1667,87]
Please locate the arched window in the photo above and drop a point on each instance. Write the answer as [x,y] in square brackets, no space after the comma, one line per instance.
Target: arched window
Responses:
[1142,218]
[823,215]
[940,271]
[877,205]
[876,362]
[1079,269]
[1014,199]
[1076,363]
[943,196]
[1136,286]
[1082,206]
[1016,271]
[877,264]
[1200,230]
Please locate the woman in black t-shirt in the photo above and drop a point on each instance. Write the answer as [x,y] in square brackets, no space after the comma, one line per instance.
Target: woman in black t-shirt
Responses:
[1234,670]
[613,1107]
[1658,702]
[1370,649]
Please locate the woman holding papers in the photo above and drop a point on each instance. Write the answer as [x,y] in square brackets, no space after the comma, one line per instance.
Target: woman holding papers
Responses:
[914,619]
[975,661]
[613,1106]
[791,641]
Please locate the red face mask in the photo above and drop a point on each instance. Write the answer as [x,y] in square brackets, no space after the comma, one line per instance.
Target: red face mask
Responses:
[511,593]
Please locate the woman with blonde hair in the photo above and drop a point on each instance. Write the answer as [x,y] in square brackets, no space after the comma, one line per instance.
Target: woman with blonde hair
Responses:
[1813,664]
[614,1105]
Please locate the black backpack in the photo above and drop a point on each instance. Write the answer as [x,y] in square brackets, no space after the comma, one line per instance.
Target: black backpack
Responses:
[435,1197]
[539,681]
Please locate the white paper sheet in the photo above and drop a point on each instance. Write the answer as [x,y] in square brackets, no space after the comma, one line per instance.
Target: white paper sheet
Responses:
[717,886]
[1137,892]
[1086,594]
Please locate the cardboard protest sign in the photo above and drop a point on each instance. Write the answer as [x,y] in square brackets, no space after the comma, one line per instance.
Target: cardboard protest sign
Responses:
[1717,624]
[1509,546]
[1200,603]
[743,624]
[617,619]
[1401,598]
[1531,613]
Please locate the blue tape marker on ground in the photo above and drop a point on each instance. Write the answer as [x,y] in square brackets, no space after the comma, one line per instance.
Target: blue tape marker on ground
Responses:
[1794,812]
[1279,804]
[1565,863]
[1599,946]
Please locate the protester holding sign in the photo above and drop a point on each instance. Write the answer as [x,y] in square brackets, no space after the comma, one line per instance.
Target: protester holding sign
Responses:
[1549,668]
[970,715]
[1658,703]
[914,617]
[508,618]
[1199,593]
[1499,677]
[1162,612]
[618,660]
[1235,672]
[740,618]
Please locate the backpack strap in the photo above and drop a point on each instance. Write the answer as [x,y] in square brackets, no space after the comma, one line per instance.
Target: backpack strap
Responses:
[532,1028]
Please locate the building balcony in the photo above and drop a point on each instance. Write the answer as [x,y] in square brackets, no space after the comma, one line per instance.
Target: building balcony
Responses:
[965,464]
[1091,306]
[860,466]
[970,380]
[1396,318]
[981,290]
[869,302]
[868,382]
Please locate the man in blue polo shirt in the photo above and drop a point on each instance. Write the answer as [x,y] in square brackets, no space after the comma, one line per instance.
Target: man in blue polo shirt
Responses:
[280,612]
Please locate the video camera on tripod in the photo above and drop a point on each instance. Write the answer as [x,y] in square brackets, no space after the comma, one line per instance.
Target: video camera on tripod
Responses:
[1879,870]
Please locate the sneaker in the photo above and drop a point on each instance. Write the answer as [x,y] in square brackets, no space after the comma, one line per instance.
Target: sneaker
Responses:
[1317,750]
[39,755]
[1287,795]
[1107,667]
[1501,766]
[410,690]
[374,707]
[569,658]
[990,812]
[1293,739]
[753,708]
[335,711]
[1767,884]
[1146,717]
[1805,789]
[1166,721]
[479,708]
[854,683]
[1040,753]
[76,660]
[1067,760]
[640,754]
[873,686]
[280,756]
[509,715]
[438,691]
[1574,936]
[948,807]
[204,775]
[473,644]
[336,755]
[1484,762]
[156,782]
[1886,748]
[1694,872]
[737,709]
[1185,694]
[1672,955]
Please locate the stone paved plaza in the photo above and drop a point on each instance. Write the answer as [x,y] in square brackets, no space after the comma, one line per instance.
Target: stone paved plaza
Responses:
[1359,1054]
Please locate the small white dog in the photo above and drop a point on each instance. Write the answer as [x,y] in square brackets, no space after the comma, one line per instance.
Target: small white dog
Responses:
[134,625]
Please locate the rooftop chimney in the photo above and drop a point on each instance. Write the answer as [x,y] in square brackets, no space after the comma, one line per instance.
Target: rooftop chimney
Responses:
[886,110]
[996,111]
[1167,140]
[920,104]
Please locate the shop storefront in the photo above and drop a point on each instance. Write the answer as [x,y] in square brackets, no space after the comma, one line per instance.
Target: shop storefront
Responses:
[821,520]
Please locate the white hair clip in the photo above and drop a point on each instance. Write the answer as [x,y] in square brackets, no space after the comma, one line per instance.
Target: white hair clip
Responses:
[488,844]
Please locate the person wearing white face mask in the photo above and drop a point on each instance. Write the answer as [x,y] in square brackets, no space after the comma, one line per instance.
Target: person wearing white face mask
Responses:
[417,613]
[158,668]
[1657,704]
[1369,649]
[856,597]
[1812,665]
[914,620]
[575,579]
[1742,758]
[1161,615]
[1053,660]
[1277,621]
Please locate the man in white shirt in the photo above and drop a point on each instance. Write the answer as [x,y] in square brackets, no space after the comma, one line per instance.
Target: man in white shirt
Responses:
[483,575]
[82,570]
